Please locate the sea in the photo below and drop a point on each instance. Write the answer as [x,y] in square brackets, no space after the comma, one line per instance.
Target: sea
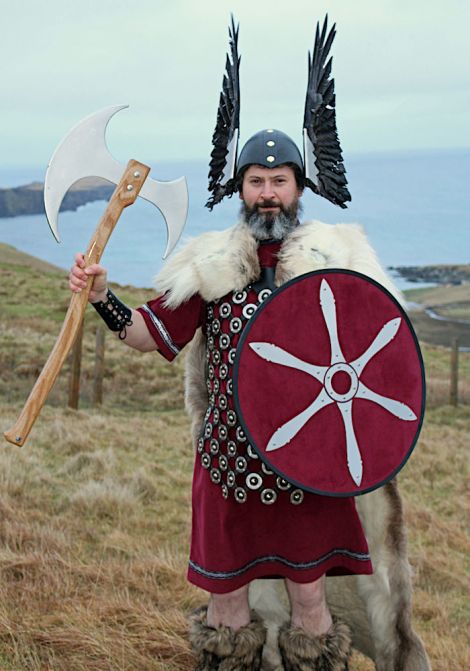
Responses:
[413,206]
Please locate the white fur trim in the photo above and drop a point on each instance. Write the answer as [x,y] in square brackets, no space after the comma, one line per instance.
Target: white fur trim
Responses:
[221,261]
[212,265]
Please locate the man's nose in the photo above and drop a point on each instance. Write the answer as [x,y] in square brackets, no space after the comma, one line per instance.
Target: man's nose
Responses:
[267,192]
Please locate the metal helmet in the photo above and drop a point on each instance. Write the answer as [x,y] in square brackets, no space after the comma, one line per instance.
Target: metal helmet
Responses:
[269,148]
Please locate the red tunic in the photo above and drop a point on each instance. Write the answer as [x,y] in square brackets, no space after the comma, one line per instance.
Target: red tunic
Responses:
[247,523]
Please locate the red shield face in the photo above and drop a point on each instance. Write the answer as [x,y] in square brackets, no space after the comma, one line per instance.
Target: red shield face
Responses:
[329,383]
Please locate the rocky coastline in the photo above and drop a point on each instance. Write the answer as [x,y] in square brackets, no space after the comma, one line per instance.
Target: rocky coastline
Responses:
[28,199]
[438,274]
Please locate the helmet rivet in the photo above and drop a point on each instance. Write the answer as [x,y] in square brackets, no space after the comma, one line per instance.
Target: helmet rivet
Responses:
[270,159]
[270,143]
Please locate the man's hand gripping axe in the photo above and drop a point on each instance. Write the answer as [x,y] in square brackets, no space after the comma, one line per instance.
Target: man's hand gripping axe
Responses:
[83,153]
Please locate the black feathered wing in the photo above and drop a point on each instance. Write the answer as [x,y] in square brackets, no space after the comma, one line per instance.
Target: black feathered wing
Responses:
[222,165]
[324,168]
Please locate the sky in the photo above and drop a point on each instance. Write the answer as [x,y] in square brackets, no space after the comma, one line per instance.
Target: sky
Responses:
[401,69]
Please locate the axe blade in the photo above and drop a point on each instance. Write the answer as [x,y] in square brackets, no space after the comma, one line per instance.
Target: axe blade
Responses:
[84,153]
[172,200]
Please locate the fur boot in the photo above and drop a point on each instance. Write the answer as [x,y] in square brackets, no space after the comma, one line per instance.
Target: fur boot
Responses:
[302,652]
[222,648]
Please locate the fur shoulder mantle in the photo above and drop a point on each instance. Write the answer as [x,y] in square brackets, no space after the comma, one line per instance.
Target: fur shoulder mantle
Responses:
[221,261]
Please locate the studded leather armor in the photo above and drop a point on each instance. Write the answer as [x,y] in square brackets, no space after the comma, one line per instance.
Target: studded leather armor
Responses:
[223,447]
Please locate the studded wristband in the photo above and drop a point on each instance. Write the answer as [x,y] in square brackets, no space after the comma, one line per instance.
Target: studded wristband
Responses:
[114,313]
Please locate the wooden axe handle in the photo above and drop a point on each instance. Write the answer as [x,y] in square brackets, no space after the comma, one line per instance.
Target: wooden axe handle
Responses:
[134,176]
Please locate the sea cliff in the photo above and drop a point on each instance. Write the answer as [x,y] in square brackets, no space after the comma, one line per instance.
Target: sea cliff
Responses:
[28,199]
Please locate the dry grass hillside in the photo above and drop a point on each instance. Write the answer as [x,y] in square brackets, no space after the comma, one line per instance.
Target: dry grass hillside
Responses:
[95,508]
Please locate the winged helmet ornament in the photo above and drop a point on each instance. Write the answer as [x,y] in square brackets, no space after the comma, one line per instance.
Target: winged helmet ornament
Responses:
[324,170]
[323,160]
[225,138]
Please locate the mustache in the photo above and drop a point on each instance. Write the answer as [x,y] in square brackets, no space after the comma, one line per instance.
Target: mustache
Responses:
[269,203]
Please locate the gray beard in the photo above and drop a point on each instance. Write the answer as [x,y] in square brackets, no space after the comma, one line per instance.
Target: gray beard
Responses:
[270,226]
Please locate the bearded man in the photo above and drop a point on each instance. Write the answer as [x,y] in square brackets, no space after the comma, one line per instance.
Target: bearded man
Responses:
[247,522]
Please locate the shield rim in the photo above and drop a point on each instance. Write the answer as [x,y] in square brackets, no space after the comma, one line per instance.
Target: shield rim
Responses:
[241,343]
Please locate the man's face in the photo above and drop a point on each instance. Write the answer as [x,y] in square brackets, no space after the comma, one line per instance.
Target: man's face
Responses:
[271,200]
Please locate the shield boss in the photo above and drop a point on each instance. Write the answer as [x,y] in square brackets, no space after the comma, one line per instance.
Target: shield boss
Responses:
[329,383]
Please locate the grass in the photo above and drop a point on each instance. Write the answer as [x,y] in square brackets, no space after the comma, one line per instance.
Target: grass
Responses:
[450,302]
[95,508]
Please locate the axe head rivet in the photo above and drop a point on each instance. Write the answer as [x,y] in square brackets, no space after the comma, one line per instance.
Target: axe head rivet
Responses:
[130,187]
[137,174]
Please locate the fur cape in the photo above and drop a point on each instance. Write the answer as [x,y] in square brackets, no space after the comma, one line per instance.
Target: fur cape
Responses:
[377,607]
[221,261]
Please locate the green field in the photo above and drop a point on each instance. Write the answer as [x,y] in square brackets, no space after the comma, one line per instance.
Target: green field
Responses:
[95,508]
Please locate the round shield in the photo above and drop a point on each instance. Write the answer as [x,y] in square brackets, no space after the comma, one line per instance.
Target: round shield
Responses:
[329,383]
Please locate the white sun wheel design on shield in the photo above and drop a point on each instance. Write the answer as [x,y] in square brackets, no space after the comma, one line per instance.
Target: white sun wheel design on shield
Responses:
[324,374]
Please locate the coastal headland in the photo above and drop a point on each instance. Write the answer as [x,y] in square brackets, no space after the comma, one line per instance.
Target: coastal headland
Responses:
[28,199]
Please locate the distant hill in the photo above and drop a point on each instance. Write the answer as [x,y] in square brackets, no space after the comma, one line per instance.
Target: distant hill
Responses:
[28,199]
[12,256]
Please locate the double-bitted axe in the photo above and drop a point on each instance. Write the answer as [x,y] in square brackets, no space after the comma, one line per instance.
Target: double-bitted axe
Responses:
[83,153]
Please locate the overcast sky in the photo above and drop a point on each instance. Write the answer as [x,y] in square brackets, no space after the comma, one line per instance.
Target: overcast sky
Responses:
[401,68]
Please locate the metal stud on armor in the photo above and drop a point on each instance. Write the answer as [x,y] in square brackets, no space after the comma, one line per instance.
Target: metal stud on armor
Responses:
[251,453]
[254,481]
[231,417]
[240,494]
[297,496]
[263,294]
[231,448]
[223,402]
[223,371]
[282,484]
[239,297]
[236,325]
[268,496]
[249,310]
[224,341]
[223,462]
[215,476]
[240,464]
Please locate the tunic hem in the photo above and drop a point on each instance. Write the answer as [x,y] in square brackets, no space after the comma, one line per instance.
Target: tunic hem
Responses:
[337,562]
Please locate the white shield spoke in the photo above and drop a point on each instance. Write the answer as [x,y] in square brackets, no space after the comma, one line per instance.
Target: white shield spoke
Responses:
[278,355]
[328,307]
[352,448]
[287,431]
[397,408]
[383,337]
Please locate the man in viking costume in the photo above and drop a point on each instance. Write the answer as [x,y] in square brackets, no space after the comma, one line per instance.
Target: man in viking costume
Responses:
[248,522]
